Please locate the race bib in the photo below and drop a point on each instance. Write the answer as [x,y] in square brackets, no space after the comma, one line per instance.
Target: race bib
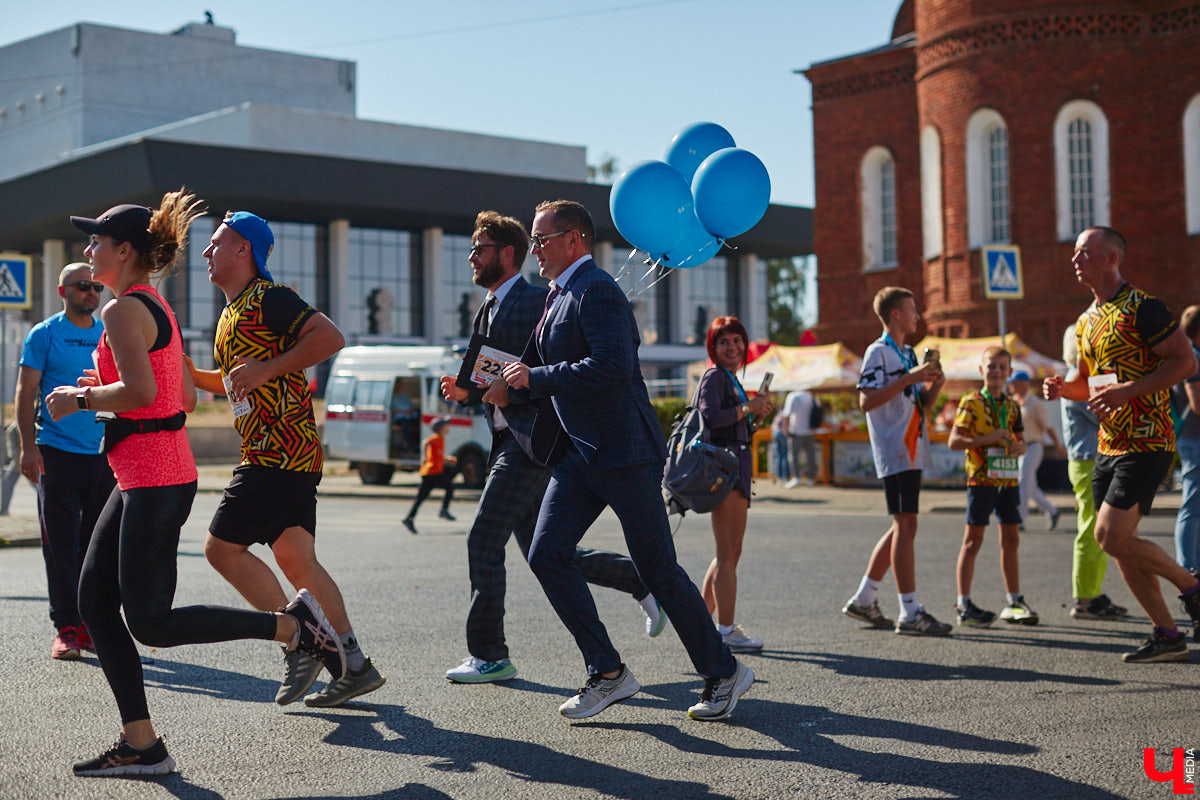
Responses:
[488,364]
[240,409]
[1002,467]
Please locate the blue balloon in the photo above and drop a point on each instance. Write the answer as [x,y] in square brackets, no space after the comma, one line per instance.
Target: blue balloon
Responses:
[651,206]
[697,247]
[693,144]
[732,191]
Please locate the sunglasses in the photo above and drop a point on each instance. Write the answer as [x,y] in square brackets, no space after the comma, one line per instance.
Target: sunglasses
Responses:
[84,286]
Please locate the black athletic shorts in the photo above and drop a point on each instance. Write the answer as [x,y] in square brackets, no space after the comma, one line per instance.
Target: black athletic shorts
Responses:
[903,491]
[1004,500]
[1130,480]
[260,503]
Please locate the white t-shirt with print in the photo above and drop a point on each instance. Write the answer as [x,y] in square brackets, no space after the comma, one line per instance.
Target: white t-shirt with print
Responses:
[888,423]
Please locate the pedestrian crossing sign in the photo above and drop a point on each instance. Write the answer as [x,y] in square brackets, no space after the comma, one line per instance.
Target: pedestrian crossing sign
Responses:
[14,281]
[1002,272]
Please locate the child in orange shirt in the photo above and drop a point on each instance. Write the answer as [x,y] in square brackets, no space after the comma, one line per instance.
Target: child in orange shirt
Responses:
[437,472]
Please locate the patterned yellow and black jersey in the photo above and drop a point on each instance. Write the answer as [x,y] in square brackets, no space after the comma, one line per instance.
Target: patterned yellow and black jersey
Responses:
[979,416]
[279,430]
[1118,337]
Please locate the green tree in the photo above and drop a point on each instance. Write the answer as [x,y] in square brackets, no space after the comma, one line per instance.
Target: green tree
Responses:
[787,280]
[605,170]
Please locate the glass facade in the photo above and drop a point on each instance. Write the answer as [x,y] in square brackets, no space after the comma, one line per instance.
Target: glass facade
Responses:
[887,207]
[462,297]
[384,285]
[709,296]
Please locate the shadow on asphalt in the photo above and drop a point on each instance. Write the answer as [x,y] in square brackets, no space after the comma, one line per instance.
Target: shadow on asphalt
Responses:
[866,667]
[389,729]
[804,731]
[179,676]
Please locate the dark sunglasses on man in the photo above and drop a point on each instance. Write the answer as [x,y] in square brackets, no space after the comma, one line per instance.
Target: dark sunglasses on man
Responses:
[88,286]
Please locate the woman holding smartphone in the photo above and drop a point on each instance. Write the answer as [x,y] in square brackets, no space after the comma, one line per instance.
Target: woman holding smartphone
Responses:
[731,417]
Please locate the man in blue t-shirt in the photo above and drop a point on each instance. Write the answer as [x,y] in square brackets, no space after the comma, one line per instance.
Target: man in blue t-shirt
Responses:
[63,458]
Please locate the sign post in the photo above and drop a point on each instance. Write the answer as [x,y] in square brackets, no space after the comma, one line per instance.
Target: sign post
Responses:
[1002,278]
[14,293]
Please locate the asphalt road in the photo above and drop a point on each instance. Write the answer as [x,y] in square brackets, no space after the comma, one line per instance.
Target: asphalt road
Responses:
[838,711]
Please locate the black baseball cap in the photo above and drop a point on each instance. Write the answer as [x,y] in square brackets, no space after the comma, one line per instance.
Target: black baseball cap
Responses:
[125,223]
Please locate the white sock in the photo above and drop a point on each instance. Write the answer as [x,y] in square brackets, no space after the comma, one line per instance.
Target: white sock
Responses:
[725,630]
[355,659]
[867,589]
[909,606]
[1014,598]
[649,604]
[963,599]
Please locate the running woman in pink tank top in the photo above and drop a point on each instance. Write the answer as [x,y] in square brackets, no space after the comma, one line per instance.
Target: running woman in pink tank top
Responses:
[130,562]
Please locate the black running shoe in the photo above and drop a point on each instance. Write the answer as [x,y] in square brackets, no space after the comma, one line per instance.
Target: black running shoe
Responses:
[122,759]
[317,637]
[1159,648]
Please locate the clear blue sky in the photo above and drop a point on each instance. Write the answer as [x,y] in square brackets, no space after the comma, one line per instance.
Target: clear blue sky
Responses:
[620,77]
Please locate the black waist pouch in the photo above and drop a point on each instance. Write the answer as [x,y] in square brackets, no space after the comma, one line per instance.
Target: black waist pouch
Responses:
[117,428]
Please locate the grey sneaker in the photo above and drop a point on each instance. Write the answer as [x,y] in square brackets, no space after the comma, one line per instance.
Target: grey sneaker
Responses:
[923,625]
[476,670]
[300,671]
[1019,613]
[722,694]
[349,686]
[739,642]
[599,693]
[870,613]
[1098,608]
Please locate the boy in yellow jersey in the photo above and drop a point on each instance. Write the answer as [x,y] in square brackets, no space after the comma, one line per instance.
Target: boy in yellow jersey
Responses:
[988,427]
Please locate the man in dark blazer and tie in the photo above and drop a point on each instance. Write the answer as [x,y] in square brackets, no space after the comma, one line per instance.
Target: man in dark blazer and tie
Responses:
[515,484]
[582,364]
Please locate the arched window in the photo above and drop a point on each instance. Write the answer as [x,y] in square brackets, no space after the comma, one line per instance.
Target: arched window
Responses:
[877,208]
[931,192]
[1191,163]
[987,179]
[1081,167]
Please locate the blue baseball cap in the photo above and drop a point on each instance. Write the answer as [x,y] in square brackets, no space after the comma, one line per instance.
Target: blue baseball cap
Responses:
[1019,375]
[255,230]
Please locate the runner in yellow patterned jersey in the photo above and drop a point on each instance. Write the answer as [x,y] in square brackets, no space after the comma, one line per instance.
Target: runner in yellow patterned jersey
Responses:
[276,420]
[266,338]
[1130,352]
[1117,337]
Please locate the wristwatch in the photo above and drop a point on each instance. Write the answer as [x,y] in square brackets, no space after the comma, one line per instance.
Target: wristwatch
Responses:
[745,409]
[81,399]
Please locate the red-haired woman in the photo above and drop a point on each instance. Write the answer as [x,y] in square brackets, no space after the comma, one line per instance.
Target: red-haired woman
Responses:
[730,416]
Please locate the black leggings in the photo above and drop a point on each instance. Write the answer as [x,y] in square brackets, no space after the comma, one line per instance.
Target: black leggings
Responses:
[130,563]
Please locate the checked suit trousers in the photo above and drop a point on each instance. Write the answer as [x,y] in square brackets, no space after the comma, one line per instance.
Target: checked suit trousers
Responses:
[509,506]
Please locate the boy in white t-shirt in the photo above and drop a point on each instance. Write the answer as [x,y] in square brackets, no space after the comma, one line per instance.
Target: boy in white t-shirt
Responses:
[895,391]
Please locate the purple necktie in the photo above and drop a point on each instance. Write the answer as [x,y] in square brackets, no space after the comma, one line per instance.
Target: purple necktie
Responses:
[555,292]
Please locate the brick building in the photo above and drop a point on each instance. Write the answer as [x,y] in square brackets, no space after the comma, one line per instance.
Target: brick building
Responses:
[1015,122]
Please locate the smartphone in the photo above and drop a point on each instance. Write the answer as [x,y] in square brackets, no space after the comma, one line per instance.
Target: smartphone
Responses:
[765,386]
[932,354]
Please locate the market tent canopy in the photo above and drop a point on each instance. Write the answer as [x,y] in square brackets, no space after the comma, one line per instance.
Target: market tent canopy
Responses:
[827,366]
[961,357]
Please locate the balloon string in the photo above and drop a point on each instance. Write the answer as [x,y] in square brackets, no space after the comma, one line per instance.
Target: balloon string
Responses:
[628,259]
[633,290]
[665,272]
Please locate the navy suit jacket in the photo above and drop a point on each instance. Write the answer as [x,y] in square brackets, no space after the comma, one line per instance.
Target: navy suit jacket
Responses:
[586,364]
[512,325]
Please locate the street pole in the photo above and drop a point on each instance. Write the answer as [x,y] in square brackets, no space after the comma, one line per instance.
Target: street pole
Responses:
[1000,312]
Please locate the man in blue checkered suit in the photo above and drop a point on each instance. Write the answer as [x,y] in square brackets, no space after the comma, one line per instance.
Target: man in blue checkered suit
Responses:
[582,364]
[515,482]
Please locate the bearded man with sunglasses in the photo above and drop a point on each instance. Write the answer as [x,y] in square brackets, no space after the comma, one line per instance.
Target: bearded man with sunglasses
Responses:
[62,459]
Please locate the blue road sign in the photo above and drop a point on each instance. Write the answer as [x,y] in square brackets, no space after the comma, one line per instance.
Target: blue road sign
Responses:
[1002,278]
[14,281]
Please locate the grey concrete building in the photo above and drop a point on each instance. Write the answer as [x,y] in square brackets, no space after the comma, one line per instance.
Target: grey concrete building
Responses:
[372,219]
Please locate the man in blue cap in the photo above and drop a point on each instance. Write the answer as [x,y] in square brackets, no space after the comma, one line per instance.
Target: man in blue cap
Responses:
[266,338]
